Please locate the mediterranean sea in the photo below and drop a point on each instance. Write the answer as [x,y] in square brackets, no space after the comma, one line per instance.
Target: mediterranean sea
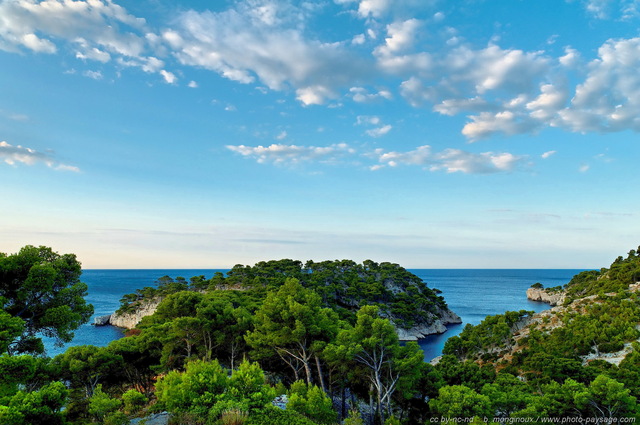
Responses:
[471,293]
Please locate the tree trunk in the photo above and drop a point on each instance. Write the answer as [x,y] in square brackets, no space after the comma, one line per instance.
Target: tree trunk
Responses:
[320,378]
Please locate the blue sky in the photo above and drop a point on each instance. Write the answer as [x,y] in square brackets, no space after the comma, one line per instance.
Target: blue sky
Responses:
[435,134]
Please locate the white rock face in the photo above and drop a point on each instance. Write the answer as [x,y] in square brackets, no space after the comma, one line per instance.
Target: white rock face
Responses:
[101,320]
[542,295]
[438,326]
[130,320]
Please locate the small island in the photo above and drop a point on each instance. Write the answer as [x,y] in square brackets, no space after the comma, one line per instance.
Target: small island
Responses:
[415,310]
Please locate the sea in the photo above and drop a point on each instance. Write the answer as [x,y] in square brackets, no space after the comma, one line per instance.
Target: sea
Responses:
[471,293]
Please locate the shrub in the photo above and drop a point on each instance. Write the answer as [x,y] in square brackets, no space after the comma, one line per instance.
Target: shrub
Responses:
[134,401]
[275,416]
[233,417]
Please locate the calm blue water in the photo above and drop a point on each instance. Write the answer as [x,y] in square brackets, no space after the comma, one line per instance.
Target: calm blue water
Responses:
[472,294]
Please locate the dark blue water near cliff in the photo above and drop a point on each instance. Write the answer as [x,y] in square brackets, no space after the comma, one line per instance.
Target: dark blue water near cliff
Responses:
[472,294]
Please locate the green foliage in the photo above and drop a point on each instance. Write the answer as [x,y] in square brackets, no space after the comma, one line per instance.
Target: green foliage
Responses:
[493,333]
[205,389]
[116,418]
[275,416]
[618,277]
[101,405]
[40,293]
[354,418]
[233,417]
[312,402]
[42,407]
[86,366]
[133,401]
[343,286]
[292,323]
[459,401]
[455,372]
[372,350]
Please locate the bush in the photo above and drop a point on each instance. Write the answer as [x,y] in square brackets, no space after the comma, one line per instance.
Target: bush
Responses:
[134,401]
[116,418]
[101,405]
[354,418]
[275,416]
[610,347]
[233,417]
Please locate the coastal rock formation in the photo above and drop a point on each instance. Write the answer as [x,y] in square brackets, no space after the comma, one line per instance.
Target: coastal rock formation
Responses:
[131,319]
[546,296]
[102,320]
[438,326]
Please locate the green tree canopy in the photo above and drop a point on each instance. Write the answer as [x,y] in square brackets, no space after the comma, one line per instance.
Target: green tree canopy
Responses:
[42,288]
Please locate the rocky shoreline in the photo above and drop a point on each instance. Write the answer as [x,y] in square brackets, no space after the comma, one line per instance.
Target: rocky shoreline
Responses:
[148,307]
[552,297]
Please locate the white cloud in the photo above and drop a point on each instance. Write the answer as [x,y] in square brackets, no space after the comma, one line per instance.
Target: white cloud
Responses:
[584,168]
[401,35]
[292,154]
[96,30]
[609,98]
[367,120]
[358,39]
[612,9]
[548,154]
[269,47]
[192,84]
[451,160]
[18,154]
[92,20]
[373,8]
[169,77]
[507,122]
[37,44]
[379,131]
[96,75]
[361,95]
[282,135]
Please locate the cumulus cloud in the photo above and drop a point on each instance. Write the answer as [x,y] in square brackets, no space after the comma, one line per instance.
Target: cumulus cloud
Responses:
[448,160]
[361,95]
[268,45]
[13,155]
[266,42]
[451,160]
[96,30]
[616,9]
[609,98]
[292,154]
[379,129]
[95,75]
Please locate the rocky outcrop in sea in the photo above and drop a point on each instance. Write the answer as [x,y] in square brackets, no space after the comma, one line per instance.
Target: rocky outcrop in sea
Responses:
[131,319]
[553,297]
[437,326]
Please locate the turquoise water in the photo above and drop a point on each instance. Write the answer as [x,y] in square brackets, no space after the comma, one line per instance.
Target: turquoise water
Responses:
[472,294]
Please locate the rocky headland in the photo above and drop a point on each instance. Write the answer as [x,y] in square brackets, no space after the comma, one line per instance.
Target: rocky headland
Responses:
[437,326]
[552,296]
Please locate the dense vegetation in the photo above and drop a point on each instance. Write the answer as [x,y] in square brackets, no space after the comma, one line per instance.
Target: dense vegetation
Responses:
[286,346]
[344,286]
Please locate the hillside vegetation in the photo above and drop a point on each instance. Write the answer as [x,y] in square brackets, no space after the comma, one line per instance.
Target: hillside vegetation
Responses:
[280,343]
[343,285]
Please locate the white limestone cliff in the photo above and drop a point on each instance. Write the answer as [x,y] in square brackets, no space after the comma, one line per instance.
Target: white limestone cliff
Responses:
[438,326]
[130,320]
[546,296]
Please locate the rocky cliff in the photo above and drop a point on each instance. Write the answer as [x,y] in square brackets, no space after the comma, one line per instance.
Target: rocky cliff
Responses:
[553,297]
[131,319]
[437,326]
